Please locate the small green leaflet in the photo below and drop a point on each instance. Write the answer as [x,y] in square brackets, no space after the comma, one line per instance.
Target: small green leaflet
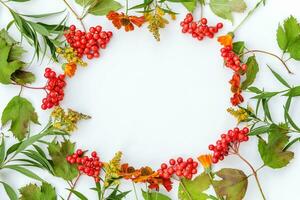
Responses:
[272,152]
[252,70]
[58,153]
[225,8]
[34,192]
[154,196]
[23,77]
[20,112]
[288,37]
[233,185]
[102,7]
[194,188]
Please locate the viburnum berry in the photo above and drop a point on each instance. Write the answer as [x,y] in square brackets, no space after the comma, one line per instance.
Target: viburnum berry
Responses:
[90,166]
[228,143]
[179,168]
[199,30]
[232,60]
[88,43]
[55,89]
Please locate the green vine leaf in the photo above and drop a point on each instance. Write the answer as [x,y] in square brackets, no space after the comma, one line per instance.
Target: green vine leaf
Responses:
[154,196]
[34,192]
[58,153]
[190,6]
[102,7]
[225,8]
[20,112]
[252,70]
[238,47]
[193,189]
[233,185]
[7,66]
[272,152]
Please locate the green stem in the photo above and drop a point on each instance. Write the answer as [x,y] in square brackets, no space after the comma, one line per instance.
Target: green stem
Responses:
[268,53]
[212,183]
[185,190]
[250,13]
[73,187]
[80,19]
[254,174]
[126,7]
[135,192]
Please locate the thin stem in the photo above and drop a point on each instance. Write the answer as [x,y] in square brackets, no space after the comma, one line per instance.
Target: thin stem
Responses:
[4,4]
[73,187]
[135,192]
[254,174]
[75,14]
[212,183]
[126,7]
[30,87]
[248,15]
[184,188]
[268,53]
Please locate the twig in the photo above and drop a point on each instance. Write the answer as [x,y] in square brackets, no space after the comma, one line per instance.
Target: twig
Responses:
[75,14]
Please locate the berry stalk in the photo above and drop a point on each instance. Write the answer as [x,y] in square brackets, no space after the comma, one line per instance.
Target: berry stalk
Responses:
[73,186]
[75,14]
[254,174]
[271,54]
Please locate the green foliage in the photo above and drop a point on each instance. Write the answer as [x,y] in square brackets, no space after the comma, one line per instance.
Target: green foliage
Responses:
[288,37]
[154,196]
[58,153]
[272,152]
[96,7]
[24,171]
[22,77]
[233,185]
[8,65]
[238,47]
[252,70]
[20,112]
[9,191]
[34,192]
[194,189]
[225,8]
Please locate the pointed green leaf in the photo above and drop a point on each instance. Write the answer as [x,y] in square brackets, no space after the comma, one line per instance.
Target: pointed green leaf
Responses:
[252,70]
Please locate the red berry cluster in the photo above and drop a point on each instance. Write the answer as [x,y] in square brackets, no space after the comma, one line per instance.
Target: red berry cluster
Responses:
[228,143]
[232,60]
[55,89]
[90,166]
[88,43]
[199,30]
[179,167]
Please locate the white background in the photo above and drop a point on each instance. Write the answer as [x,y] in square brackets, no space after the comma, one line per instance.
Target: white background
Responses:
[156,101]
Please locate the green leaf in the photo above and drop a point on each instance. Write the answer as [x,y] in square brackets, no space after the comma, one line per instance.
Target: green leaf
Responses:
[193,189]
[58,153]
[252,70]
[20,0]
[24,171]
[254,90]
[78,194]
[272,152]
[259,130]
[154,196]
[225,8]
[9,191]
[294,49]
[282,38]
[102,7]
[20,112]
[7,67]
[290,120]
[190,6]
[238,47]
[293,92]
[279,78]
[233,185]
[2,151]
[44,15]
[23,77]
[292,29]
[34,192]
